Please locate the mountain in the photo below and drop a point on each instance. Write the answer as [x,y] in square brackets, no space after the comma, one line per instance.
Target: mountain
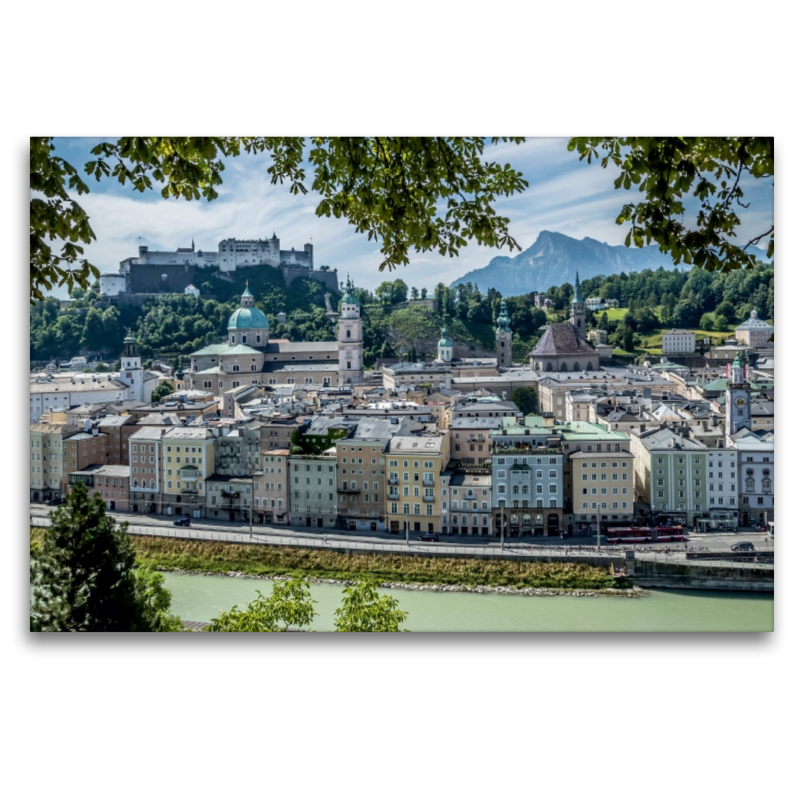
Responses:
[552,260]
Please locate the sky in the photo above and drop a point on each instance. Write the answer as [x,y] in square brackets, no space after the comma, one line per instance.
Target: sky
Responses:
[565,195]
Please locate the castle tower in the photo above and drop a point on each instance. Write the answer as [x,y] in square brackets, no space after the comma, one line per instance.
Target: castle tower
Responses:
[130,368]
[578,314]
[737,397]
[445,348]
[351,341]
[503,337]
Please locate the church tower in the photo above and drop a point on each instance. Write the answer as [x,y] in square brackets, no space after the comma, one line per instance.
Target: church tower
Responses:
[578,315]
[130,368]
[503,337]
[737,398]
[351,341]
[445,348]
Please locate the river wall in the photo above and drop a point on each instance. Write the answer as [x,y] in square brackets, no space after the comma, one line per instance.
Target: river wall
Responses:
[697,575]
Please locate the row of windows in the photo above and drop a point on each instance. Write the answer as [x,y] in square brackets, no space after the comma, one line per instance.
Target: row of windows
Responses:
[393,462]
[552,489]
[501,473]
[604,476]
[524,461]
[614,505]
[407,509]
[603,490]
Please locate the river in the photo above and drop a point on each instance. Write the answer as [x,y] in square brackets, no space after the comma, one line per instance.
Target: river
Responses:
[201,597]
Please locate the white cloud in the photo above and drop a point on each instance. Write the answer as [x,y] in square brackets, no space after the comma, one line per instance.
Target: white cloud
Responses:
[565,195]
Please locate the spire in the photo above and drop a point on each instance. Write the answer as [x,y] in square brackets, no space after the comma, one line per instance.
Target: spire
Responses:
[193,244]
[503,320]
[578,296]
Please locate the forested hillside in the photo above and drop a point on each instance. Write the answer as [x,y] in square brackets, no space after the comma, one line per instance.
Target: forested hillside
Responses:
[173,325]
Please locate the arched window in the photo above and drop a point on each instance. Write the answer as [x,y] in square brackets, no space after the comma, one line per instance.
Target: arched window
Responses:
[563,366]
[244,338]
[750,484]
[766,485]
[589,367]
[501,489]
[548,367]
[348,334]
[765,473]
[135,483]
[152,484]
[348,365]
[576,367]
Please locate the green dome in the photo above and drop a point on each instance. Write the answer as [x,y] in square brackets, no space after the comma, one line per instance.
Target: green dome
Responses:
[445,340]
[244,318]
[130,338]
[504,321]
[348,298]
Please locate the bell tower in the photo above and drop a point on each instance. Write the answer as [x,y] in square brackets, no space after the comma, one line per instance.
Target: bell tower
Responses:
[737,397]
[351,341]
[578,314]
[130,368]
[503,337]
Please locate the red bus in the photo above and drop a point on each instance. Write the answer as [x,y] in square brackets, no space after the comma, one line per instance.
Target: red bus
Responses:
[670,533]
[629,535]
[663,533]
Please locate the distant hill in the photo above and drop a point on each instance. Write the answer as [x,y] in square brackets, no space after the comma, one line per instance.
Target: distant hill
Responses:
[553,258]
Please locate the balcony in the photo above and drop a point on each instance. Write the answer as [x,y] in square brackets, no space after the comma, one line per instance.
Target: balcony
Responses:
[394,481]
[428,483]
[349,491]
[395,496]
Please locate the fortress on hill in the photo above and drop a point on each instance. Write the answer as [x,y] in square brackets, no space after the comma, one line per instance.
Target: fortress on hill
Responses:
[161,271]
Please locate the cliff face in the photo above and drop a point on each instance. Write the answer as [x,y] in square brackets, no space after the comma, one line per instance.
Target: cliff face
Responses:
[552,260]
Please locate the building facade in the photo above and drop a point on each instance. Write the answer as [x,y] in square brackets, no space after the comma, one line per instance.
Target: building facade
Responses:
[271,488]
[187,460]
[313,482]
[528,490]
[414,482]
[678,341]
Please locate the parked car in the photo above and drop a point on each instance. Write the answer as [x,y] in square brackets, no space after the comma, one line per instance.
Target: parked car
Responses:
[55,501]
[182,522]
[428,537]
[740,546]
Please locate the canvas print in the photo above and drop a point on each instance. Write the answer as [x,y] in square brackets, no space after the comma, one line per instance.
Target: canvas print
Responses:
[388,384]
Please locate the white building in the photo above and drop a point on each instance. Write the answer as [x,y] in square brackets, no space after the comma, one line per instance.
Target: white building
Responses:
[192,289]
[112,284]
[678,341]
[754,332]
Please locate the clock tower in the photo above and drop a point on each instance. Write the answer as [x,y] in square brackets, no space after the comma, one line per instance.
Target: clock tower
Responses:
[737,397]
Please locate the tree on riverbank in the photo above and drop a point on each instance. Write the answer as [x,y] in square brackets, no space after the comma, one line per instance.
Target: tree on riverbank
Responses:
[364,610]
[290,605]
[83,575]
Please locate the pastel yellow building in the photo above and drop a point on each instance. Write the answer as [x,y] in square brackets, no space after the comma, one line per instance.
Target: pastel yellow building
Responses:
[187,460]
[414,482]
[605,480]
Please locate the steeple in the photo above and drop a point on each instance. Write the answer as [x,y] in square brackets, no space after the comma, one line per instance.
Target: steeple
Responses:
[503,320]
[247,301]
[193,244]
[502,337]
[578,315]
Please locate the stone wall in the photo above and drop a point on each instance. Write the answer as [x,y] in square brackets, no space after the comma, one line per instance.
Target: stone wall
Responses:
[741,577]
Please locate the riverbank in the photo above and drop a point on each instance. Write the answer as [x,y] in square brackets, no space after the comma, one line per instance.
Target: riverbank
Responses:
[634,591]
[221,558]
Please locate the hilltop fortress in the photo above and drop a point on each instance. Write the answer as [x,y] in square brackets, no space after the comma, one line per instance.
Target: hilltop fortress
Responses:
[160,271]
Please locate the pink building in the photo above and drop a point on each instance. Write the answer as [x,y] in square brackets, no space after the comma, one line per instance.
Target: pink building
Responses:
[112,481]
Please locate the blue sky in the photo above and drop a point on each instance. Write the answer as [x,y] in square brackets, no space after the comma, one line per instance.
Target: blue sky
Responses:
[564,195]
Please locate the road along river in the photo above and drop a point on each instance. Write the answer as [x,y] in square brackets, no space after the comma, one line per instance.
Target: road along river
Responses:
[201,597]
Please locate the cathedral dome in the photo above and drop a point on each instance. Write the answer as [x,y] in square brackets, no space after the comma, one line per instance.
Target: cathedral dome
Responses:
[445,341]
[244,318]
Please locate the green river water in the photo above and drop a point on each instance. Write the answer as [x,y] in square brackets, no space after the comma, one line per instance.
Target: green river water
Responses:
[201,597]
